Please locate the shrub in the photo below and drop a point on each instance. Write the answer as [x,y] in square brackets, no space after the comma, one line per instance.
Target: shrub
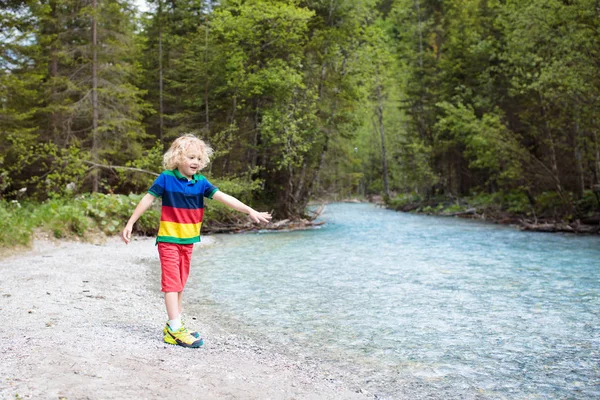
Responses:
[15,226]
[516,202]
[111,212]
[404,199]
[588,204]
[454,208]
[551,204]
[62,217]
[483,200]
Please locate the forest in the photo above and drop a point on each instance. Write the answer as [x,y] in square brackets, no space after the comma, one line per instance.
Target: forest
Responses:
[488,102]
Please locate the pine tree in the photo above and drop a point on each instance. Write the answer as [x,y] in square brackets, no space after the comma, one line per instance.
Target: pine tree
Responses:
[20,81]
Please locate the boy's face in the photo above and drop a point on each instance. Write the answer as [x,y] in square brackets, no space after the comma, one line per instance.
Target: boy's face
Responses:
[189,164]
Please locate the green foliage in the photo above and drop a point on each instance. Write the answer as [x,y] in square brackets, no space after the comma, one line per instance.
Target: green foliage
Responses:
[310,99]
[88,215]
[405,199]
[150,160]
[487,143]
[451,209]
[62,218]
[513,201]
[238,187]
[418,168]
[82,216]
[554,205]
[484,200]
[15,225]
[110,212]
[65,171]
[588,204]
[48,132]
[516,202]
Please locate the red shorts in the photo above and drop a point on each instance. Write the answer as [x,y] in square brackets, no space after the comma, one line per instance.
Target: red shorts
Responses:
[175,265]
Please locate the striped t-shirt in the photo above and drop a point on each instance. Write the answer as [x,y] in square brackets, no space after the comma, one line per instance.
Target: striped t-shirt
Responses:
[182,206]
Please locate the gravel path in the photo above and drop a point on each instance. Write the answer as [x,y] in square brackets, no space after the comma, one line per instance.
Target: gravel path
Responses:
[84,321]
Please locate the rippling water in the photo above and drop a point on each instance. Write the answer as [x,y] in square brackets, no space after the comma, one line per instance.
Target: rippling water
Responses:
[415,306]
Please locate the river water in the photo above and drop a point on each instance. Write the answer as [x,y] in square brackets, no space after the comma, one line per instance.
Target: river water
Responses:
[409,306]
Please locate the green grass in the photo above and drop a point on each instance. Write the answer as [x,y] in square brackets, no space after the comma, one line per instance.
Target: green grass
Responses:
[88,215]
[81,217]
[16,228]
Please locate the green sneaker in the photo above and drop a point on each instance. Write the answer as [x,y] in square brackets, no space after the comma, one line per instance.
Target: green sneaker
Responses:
[182,337]
[166,328]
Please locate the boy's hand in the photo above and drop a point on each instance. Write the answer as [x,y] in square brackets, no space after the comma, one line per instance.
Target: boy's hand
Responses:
[126,235]
[260,216]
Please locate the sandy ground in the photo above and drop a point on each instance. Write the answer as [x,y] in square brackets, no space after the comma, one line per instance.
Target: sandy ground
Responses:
[84,321]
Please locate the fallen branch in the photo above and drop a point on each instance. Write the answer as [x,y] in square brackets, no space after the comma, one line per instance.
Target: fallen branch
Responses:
[466,213]
[120,167]
[575,227]
[283,225]
[318,212]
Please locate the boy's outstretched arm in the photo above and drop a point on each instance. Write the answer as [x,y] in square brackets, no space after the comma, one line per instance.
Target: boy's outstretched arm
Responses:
[234,203]
[142,206]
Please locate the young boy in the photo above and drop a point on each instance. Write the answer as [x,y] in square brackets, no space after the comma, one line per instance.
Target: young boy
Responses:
[182,189]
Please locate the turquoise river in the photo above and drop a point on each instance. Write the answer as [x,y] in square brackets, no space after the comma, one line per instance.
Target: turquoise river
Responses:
[406,306]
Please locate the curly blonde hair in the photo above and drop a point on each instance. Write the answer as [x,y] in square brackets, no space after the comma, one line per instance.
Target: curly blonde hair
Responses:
[172,157]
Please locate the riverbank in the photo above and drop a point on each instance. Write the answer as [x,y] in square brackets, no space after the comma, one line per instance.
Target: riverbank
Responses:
[582,222]
[83,320]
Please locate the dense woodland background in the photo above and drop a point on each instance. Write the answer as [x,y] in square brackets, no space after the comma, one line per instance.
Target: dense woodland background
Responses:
[490,99]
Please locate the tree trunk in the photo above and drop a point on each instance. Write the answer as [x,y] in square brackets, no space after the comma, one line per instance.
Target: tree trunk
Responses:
[553,160]
[420,108]
[300,185]
[319,167]
[255,140]
[94,95]
[578,163]
[206,78]
[51,28]
[325,148]
[386,186]
[420,30]
[596,158]
[161,108]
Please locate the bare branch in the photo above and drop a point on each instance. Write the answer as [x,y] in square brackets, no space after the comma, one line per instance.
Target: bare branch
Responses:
[120,167]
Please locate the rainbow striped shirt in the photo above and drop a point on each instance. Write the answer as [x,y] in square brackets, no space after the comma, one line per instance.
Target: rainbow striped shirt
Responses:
[182,206]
